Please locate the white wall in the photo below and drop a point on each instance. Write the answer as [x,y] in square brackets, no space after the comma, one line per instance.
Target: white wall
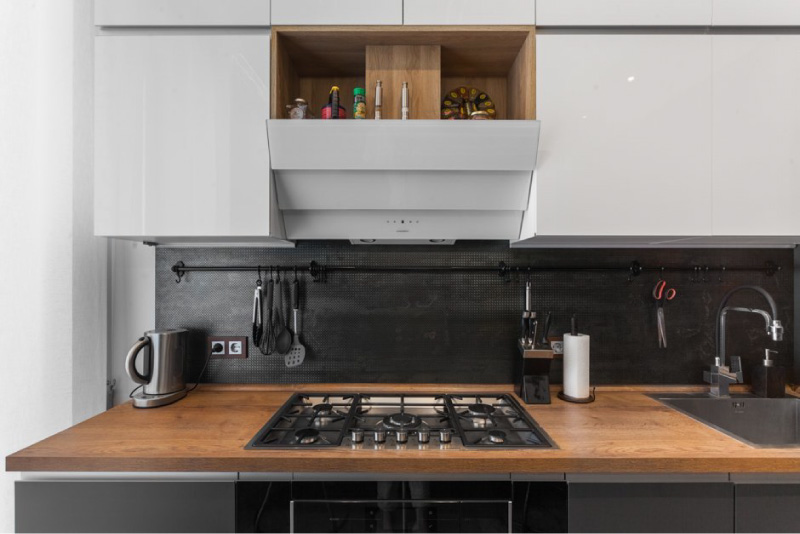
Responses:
[90,257]
[133,304]
[52,271]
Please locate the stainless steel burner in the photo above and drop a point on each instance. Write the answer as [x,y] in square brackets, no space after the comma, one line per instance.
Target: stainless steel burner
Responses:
[402,420]
[479,422]
[496,436]
[480,410]
[306,436]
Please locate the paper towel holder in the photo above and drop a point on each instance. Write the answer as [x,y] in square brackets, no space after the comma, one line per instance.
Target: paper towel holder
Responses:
[586,400]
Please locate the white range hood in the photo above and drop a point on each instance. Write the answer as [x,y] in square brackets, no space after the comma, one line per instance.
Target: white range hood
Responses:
[420,181]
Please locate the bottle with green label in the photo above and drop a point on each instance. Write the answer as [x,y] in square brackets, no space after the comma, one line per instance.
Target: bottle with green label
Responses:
[359,103]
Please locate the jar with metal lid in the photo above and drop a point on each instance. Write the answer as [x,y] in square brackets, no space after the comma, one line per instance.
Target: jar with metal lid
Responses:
[298,109]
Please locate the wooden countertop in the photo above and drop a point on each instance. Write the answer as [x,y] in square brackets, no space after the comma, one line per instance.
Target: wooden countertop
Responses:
[623,431]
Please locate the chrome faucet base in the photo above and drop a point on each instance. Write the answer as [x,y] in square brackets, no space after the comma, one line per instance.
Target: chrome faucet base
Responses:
[721,377]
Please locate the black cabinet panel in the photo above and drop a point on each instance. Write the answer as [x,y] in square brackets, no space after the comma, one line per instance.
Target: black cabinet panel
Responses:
[767,507]
[540,507]
[263,506]
[651,507]
[131,506]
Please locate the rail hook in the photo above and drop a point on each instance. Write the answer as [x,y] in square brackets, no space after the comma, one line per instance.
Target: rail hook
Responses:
[314,271]
[635,269]
[505,272]
[178,272]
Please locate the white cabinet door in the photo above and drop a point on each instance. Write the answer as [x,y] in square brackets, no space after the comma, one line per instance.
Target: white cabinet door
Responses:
[756,135]
[756,13]
[180,127]
[181,13]
[476,12]
[623,12]
[625,147]
[325,12]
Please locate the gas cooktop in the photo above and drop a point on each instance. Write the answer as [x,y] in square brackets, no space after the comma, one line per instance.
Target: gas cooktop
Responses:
[381,421]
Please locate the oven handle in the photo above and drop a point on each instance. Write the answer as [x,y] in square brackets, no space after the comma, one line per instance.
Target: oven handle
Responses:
[398,501]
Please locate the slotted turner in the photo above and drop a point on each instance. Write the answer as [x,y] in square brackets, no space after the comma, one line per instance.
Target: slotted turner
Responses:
[297,352]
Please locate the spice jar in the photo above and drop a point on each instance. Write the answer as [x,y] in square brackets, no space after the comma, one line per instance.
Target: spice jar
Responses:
[359,103]
[298,109]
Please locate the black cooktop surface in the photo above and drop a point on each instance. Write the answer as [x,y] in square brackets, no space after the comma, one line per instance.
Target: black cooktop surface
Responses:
[390,421]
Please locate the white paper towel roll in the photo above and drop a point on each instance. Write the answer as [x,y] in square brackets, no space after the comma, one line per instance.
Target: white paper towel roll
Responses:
[576,366]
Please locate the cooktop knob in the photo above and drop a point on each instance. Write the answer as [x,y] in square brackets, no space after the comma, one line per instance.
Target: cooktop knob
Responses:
[380,436]
[401,435]
[357,435]
[423,435]
[444,435]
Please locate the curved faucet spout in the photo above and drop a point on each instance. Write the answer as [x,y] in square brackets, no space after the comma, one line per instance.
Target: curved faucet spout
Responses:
[774,327]
[722,321]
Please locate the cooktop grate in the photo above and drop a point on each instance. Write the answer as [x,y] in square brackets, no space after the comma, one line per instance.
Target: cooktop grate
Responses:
[323,420]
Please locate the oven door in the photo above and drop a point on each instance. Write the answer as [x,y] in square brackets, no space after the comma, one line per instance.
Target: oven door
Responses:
[400,516]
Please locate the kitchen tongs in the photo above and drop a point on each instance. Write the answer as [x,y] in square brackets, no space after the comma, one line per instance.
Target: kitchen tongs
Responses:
[530,323]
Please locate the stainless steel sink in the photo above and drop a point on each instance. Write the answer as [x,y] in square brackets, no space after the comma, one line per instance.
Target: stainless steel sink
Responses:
[750,419]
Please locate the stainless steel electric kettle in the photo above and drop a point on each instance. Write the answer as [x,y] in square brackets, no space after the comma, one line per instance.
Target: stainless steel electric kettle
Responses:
[163,380]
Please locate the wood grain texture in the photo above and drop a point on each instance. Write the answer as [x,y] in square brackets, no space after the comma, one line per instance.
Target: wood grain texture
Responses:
[498,58]
[340,50]
[283,79]
[419,65]
[522,82]
[624,431]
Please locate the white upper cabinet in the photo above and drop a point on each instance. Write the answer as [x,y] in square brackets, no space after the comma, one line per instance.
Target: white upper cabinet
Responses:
[325,12]
[180,136]
[623,12]
[625,148]
[469,12]
[756,135]
[181,12]
[756,13]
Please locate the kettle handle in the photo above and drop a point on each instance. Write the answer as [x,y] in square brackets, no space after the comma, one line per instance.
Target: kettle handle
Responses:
[130,361]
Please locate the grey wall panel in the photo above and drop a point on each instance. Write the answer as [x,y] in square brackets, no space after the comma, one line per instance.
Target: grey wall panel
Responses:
[646,507]
[125,506]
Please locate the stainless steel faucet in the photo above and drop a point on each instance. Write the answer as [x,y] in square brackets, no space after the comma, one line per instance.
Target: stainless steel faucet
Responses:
[721,376]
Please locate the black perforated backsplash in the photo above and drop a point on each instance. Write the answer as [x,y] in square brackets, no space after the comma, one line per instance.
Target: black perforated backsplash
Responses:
[457,327]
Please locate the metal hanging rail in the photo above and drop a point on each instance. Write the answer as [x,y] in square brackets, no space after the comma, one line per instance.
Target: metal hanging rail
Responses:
[700,273]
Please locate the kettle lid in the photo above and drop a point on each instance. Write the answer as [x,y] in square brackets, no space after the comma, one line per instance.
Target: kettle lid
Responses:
[163,331]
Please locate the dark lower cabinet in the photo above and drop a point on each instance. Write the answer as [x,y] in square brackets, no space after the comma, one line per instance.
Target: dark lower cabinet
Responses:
[539,506]
[129,506]
[651,507]
[263,506]
[401,506]
[767,507]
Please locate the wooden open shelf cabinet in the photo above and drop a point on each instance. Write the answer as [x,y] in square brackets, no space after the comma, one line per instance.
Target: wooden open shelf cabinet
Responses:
[308,60]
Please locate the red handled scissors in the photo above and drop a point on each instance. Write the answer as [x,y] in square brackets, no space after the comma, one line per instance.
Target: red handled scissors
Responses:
[662,294]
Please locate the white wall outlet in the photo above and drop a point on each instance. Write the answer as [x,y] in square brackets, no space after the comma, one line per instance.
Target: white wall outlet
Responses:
[235,348]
